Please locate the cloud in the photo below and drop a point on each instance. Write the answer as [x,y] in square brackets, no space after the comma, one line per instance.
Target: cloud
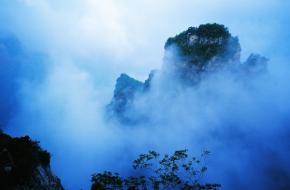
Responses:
[80,31]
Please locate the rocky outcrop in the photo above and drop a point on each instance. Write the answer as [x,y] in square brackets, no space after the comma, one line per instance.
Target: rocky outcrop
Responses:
[125,90]
[256,64]
[42,179]
[25,166]
[189,57]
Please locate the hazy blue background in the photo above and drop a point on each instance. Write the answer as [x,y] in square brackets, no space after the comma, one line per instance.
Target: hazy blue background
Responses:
[59,61]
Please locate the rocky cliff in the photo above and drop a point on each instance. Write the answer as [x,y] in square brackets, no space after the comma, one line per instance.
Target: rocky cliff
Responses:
[25,166]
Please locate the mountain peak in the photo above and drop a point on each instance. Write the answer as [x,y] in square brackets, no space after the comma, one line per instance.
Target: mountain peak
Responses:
[198,45]
[190,57]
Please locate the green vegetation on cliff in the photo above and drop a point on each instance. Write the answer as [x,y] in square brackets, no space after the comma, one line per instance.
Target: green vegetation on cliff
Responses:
[201,44]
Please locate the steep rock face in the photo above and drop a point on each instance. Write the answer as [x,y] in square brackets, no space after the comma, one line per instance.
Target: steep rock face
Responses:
[148,82]
[25,166]
[125,90]
[42,179]
[189,57]
[256,64]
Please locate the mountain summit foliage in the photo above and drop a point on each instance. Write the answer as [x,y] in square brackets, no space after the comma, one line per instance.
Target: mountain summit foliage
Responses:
[199,45]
